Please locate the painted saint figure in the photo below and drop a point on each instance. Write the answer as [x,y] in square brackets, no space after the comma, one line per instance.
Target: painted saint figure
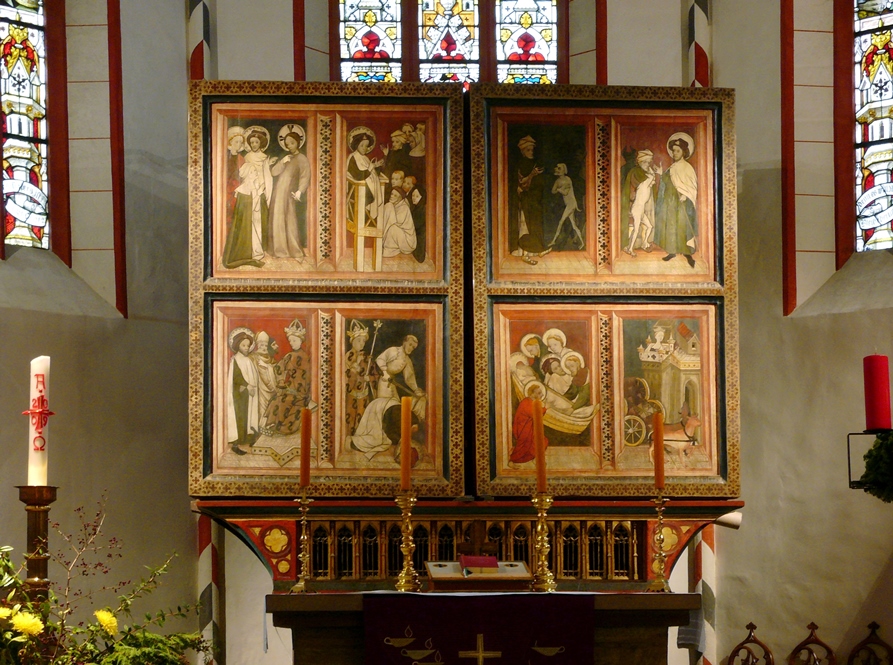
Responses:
[677,226]
[523,447]
[288,206]
[526,219]
[417,199]
[293,382]
[247,236]
[639,189]
[397,224]
[363,176]
[263,353]
[242,393]
[358,368]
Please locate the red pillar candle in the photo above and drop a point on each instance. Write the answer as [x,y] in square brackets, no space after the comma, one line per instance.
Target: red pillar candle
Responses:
[657,435]
[305,447]
[877,392]
[405,448]
[539,442]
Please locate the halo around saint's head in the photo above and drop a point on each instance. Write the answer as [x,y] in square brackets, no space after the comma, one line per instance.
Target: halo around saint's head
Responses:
[292,128]
[257,129]
[236,336]
[356,132]
[685,137]
[526,340]
[557,334]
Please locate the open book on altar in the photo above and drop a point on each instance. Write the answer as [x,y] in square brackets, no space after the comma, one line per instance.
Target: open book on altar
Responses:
[453,576]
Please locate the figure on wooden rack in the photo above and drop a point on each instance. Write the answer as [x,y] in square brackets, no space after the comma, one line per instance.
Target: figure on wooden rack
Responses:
[242,394]
[293,383]
[247,236]
[363,176]
[288,207]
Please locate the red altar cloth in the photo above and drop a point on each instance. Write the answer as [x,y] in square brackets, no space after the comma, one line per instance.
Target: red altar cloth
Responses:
[478,628]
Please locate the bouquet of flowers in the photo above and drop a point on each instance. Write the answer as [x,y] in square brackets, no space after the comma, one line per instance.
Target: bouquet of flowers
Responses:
[45,632]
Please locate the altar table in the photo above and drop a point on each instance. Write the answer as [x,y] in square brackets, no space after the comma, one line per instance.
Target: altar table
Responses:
[329,628]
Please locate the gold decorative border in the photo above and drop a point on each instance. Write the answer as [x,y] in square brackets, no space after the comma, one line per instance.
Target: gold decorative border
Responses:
[724,290]
[204,484]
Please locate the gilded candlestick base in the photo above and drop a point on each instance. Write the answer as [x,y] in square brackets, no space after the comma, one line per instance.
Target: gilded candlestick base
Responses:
[37,500]
[408,580]
[659,583]
[304,555]
[543,579]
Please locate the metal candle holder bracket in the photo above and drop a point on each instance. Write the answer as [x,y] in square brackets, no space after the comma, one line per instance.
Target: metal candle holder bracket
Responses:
[659,583]
[543,579]
[408,580]
[304,555]
[37,500]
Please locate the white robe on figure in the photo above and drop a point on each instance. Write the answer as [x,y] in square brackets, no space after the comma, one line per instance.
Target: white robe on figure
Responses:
[369,437]
[399,230]
[249,373]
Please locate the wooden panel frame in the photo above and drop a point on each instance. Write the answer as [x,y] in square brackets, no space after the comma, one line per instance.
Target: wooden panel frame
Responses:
[615,125]
[330,304]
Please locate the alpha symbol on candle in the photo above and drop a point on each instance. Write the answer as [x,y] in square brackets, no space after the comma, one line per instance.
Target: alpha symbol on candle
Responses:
[40,382]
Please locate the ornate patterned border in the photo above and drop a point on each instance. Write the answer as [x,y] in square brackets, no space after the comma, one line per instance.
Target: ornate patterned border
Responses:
[725,289]
[201,482]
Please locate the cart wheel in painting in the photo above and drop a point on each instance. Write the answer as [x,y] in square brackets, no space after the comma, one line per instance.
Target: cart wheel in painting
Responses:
[633,430]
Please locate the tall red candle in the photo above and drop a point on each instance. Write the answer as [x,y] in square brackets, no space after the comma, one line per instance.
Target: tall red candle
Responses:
[405,447]
[305,447]
[539,443]
[877,392]
[657,435]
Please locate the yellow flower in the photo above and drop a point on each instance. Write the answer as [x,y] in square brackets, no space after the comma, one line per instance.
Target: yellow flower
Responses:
[107,620]
[5,612]
[27,624]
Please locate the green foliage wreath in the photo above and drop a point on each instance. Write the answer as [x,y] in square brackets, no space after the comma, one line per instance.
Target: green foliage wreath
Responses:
[878,476]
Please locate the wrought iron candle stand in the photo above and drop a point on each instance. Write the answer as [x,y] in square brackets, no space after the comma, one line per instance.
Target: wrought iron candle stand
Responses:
[37,500]
[408,580]
[304,555]
[659,583]
[543,579]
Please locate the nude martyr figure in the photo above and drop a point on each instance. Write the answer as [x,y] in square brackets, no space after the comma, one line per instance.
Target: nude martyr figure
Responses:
[565,186]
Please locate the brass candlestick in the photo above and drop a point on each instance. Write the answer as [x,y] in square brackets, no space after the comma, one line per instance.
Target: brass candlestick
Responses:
[37,500]
[659,583]
[304,556]
[408,580]
[543,579]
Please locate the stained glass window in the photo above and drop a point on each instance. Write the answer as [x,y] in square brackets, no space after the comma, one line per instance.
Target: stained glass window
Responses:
[23,122]
[449,43]
[369,33]
[526,41]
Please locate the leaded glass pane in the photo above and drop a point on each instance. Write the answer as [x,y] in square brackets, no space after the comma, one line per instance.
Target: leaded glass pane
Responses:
[526,41]
[24,128]
[874,126]
[371,47]
[449,41]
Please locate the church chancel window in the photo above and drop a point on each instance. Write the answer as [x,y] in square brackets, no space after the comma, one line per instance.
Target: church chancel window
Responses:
[370,45]
[526,41]
[873,135]
[449,43]
[23,98]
